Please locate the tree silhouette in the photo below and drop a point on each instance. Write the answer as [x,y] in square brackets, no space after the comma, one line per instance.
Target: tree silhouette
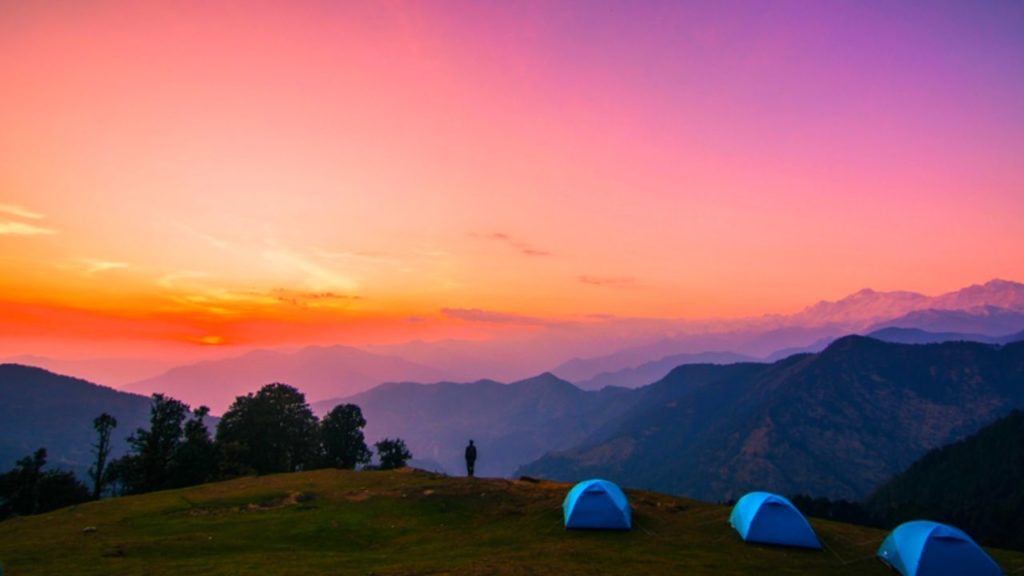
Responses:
[342,434]
[196,458]
[270,431]
[28,490]
[172,453]
[392,453]
[104,424]
[155,447]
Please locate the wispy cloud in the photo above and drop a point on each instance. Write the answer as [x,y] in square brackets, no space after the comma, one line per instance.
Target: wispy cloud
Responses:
[356,256]
[492,317]
[520,246]
[20,212]
[10,228]
[210,239]
[608,281]
[317,277]
[175,280]
[95,266]
[312,299]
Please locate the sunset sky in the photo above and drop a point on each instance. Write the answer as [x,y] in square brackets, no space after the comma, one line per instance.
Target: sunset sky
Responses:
[189,175]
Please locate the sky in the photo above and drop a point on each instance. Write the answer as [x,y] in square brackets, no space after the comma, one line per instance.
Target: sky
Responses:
[182,177]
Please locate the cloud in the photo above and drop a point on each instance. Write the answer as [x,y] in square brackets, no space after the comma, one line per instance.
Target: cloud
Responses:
[20,212]
[312,299]
[210,239]
[519,245]
[608,281]
[9,228]
[492,317]
[174,280]
[94,266]
[357,256]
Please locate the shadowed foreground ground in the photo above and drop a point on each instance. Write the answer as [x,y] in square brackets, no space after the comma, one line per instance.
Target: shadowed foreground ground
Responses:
[403,523]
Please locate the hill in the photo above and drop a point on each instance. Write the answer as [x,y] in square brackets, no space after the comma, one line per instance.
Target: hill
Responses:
[917,336]
[985,320]
[406,522]
[510,423]
[42,409]
[755,341]
[976,483]
[114,372]
[837,423]
[319,372]
[650,372]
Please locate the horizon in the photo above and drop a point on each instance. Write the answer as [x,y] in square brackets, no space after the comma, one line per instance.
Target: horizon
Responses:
[137,375]
[189,183]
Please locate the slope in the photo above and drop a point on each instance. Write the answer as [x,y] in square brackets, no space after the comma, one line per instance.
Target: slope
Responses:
[42,409]
[976,483]
[402,523]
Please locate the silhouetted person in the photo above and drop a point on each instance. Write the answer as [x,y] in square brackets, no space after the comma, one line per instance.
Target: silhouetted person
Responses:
[470,458]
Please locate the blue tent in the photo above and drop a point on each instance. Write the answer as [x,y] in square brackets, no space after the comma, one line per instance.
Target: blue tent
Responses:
[768,518]
[923,548]
[596,504]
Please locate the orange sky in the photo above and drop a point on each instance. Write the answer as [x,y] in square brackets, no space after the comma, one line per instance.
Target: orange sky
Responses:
[279,173]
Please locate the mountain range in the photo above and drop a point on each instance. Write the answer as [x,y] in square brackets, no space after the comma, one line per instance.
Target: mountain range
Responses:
[837,423]
[510,423]
[320,372]
[993,309]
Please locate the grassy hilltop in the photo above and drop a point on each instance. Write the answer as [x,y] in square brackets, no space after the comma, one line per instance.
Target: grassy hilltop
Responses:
[403,523]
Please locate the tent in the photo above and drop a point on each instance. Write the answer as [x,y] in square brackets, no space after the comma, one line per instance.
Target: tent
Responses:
[923,548]
[768,518]
[596,504]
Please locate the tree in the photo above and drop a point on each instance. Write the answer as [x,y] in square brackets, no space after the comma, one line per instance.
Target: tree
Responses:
[343,441]
[27,474]
[392,453]
[28,490]
[172,453]
[196,459]
[270,431]
[103,424]
[156,447]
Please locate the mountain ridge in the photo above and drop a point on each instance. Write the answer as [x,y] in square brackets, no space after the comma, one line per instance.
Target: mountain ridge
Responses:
[781,425]
[319,371]
[510,423]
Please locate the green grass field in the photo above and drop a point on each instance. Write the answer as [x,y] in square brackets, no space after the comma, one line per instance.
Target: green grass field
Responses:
[406,522]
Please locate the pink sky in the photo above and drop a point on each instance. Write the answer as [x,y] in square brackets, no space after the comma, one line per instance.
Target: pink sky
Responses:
[248,174]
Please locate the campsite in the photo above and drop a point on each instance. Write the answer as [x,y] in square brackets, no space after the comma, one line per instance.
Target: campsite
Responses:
[409,522]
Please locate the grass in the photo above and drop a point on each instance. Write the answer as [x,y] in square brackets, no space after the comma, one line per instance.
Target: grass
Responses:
[403,523]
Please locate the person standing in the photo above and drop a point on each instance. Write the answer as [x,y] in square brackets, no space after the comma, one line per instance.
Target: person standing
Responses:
[470,458]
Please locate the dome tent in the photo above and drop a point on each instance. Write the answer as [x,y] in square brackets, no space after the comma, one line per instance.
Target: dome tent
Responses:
[597,505]
[767,518]
[923,548]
